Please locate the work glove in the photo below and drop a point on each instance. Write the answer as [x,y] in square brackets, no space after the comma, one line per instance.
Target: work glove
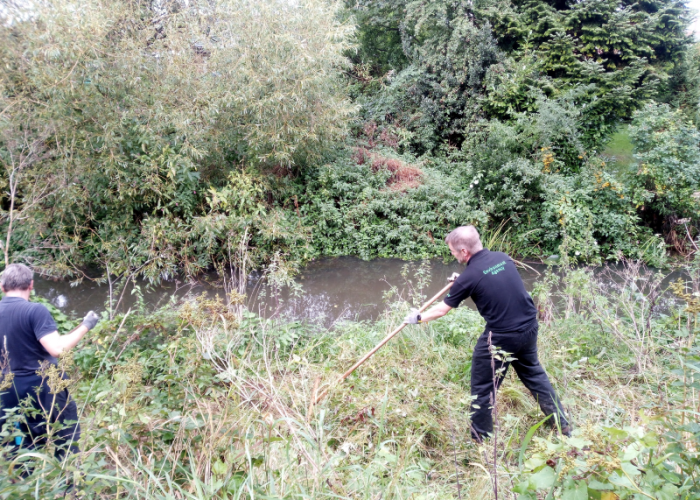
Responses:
[90,320]
[413,317]
[453,277]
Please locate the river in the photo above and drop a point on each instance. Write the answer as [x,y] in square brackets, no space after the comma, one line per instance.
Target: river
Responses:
[328,290]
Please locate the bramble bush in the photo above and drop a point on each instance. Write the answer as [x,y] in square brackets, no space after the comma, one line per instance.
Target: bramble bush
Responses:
[549,206]
[353,211]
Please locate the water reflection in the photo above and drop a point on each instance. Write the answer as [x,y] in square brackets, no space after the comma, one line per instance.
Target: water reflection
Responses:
[332,289]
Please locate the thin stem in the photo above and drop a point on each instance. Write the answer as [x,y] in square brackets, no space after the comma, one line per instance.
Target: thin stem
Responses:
[13,193]
[454,448]
[495,419]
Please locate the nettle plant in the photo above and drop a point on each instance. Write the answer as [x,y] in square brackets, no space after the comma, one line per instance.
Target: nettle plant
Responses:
[656,458]
[608,462]
[658,455]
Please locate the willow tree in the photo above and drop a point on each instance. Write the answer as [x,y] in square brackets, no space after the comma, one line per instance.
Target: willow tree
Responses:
[139,109]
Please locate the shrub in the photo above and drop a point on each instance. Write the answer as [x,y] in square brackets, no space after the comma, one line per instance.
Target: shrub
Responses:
[380,209]
[666,183]
[119,117]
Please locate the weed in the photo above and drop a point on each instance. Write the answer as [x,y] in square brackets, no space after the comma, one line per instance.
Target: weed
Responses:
[199,405]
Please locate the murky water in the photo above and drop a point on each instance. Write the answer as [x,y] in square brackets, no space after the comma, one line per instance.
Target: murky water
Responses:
[330,289]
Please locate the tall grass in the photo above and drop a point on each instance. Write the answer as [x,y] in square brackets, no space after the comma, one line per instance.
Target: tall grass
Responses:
[196,402]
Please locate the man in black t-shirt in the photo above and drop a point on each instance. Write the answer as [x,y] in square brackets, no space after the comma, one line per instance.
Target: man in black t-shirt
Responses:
[492,281]
[28,338]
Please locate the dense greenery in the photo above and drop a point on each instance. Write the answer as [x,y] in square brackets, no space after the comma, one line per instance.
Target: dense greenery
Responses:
[170,137]
[519,97]
[198,402]
[157,138]
[466,61]
[146,139]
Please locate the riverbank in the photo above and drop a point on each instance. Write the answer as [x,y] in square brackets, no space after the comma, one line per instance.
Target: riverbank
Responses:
[200,400]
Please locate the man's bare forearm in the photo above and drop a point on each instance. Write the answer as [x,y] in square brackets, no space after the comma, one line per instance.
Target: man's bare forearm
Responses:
[70,340]
[55,343]
[435,312]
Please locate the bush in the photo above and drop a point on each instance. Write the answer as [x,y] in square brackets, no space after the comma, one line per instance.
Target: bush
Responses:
[120,117]
[355,209]
[666,183]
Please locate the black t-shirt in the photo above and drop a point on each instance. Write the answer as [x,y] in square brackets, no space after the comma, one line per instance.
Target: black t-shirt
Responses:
[22,324]
[493,283]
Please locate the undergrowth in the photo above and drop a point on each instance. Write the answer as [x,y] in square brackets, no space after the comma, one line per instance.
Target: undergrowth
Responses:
[196,401]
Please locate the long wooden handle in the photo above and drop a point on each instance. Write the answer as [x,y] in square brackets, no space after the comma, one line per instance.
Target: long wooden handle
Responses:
[378,346]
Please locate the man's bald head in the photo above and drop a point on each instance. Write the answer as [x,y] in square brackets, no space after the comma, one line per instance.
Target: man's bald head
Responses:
[464,238]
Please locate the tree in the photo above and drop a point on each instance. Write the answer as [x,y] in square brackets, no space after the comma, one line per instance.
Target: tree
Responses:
[146,106]
[436,96]
[617,54]
[25,148]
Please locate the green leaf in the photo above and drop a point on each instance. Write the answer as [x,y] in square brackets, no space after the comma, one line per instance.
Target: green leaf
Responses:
[575,491]
[618,433]
[619,479]
[528,438]
[630,469]
[667,492]
[521,487]
[594,484]
[543,479]
[220,468]
[578,442]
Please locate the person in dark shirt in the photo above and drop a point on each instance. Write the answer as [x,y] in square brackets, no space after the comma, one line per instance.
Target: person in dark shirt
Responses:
[29,338]
[492,281]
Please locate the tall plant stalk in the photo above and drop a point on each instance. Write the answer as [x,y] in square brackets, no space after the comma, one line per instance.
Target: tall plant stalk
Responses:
[494,406]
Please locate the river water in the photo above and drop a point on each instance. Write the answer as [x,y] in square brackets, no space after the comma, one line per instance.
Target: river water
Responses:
[328,290]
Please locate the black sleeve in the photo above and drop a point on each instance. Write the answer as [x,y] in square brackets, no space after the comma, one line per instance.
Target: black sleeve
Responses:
[461,290]
[42,321]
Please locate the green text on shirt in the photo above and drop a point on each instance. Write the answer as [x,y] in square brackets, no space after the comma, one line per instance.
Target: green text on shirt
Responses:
[496,268]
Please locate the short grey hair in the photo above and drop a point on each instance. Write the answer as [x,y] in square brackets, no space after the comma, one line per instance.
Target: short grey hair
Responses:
[16,277]
[465,237]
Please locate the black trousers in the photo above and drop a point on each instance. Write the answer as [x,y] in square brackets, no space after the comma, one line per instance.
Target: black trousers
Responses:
[60,407]
[522,347]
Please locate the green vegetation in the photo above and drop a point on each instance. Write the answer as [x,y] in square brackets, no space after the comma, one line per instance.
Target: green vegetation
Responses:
[668,150]
[620,149]
[147,140]
[198,401]
[167,138]
[513,99]
[155,139]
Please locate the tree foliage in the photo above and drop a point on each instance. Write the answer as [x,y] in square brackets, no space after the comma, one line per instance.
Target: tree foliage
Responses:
[667,177]
[522,95]
[619,53]
[140,110]
[155,137]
